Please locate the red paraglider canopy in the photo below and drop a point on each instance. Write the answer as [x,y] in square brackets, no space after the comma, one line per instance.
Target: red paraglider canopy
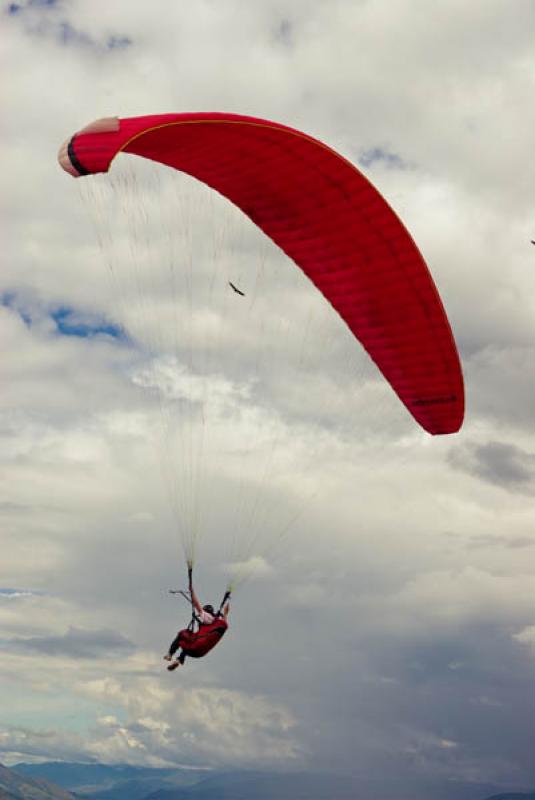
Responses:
[324,214]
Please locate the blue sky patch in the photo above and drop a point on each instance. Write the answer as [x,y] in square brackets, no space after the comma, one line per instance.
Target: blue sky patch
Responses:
[11,301]
[70,322]
[15,8]
[36,17]
[13,594]
[68,34]
[118,42]
[377,154]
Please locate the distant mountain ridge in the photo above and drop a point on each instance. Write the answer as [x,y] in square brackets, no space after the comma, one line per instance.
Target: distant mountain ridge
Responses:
[124,782]
[13,786]
[300,786]
[110,782]
[513,796]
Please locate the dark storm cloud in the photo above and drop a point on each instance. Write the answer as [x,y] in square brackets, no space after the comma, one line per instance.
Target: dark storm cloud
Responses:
[476,672]
[501,464]
[76,643]
[429,704]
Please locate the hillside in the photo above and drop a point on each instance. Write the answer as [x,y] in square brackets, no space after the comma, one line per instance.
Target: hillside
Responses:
[124,782]
[17,787]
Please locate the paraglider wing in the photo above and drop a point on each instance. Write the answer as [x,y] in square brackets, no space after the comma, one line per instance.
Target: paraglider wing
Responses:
[326,216]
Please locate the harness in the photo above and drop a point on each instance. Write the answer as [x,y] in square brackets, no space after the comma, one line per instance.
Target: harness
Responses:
[195,623]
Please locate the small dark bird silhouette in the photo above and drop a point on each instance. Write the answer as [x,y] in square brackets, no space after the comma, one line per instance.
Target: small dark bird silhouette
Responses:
[532,242]
[238,291]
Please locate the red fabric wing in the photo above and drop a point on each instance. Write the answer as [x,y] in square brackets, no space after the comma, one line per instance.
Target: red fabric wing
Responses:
[321,211]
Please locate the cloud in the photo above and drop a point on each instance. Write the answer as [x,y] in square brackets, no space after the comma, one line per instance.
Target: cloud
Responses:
[526,636]
[202,727]
[255,567]
[501,464]
[75,643]
[212,725]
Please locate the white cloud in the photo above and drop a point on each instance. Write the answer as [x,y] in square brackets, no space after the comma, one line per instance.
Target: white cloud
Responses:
[212,725]
[526,636]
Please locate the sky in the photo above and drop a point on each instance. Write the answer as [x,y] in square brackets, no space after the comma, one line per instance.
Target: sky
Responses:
[391,630]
